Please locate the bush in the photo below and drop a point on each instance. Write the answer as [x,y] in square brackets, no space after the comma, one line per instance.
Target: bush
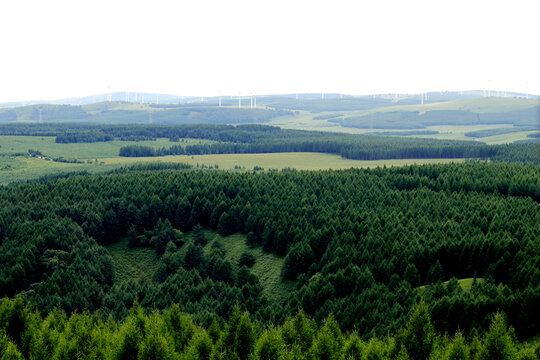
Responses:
[247,260]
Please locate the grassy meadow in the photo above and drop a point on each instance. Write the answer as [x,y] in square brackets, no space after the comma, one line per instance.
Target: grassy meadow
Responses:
[15,165]
[267,266]
[142,262]
[296,160]
[132,263]
[48,146]
[465,284]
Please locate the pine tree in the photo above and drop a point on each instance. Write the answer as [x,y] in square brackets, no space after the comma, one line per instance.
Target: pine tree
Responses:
[419,335]
[412,275]
[498,344]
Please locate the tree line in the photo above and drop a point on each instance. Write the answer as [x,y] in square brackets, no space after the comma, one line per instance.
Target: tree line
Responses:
[254,138]
[172,334]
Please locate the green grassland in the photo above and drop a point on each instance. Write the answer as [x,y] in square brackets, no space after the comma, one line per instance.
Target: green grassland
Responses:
[132,263]
[48,146]
[267,266]
[465,284]
[142,262]
[296,160]
[22,168]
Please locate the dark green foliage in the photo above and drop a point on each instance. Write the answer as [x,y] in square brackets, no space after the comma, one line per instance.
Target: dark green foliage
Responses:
[298,261]
[356,244]
[412,275]
[247,260]
[159,237]
[527,153]
[198,235]
[193,257]
[435,273]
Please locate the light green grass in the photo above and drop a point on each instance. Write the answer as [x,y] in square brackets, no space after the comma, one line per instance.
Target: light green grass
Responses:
[297,160]
[21,168]
[267,266]
[508,138]
[48,146]
[132,263]
[466,284]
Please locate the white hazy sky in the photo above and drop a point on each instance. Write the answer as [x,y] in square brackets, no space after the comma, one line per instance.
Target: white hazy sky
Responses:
[56,49]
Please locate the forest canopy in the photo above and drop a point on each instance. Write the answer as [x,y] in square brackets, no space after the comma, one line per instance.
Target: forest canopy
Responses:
[363,245]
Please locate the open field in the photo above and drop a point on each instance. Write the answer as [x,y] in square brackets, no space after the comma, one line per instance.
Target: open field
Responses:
[22,168]
[48,146]
[297,160]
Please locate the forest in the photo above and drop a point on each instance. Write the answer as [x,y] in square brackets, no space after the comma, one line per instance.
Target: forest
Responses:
[361,246]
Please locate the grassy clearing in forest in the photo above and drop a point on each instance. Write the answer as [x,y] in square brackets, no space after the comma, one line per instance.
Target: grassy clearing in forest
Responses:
[267,266]
[465,284]
[132,263]
[96,150]
[296,160]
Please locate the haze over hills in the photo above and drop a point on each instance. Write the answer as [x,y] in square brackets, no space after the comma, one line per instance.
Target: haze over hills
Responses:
[159,98]
[468,114]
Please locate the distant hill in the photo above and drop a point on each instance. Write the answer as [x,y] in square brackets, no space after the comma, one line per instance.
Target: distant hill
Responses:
[125,112]
[382,111]
[516,111]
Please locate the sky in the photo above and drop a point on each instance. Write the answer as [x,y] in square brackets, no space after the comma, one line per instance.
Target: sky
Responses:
[58,49]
